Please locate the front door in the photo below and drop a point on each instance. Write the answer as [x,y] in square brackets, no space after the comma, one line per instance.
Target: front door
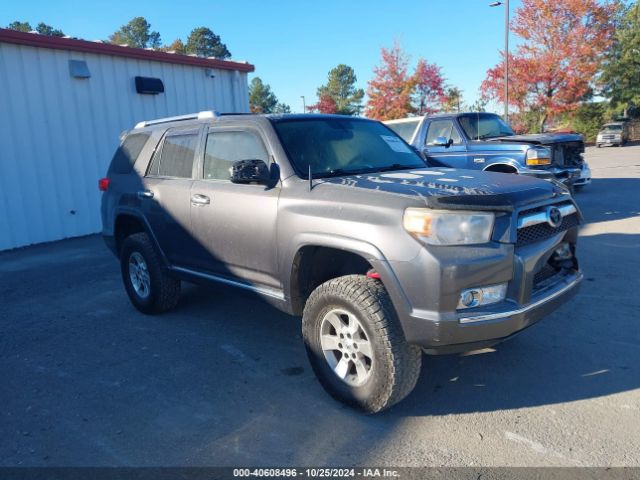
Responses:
[235,224]
[453,154]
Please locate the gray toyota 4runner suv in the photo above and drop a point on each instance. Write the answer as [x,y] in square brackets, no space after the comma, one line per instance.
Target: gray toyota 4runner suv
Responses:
[337,220]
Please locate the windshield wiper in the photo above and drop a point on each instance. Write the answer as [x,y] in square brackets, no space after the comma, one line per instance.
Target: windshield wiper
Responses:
[396,166]
[337,172]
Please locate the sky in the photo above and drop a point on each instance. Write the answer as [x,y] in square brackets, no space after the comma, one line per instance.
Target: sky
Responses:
[294,43]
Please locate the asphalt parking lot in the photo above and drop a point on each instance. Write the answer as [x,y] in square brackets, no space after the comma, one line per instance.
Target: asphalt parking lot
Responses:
[224,380]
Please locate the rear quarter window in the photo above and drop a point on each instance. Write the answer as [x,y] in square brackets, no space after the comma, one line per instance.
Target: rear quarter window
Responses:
[127,153]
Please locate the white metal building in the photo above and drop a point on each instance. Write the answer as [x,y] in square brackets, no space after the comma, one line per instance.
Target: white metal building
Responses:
[64,103]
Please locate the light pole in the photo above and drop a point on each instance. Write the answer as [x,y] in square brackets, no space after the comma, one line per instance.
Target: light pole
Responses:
[304,106]
[506,55]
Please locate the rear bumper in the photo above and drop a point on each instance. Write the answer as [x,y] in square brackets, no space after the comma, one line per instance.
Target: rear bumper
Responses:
[467,331]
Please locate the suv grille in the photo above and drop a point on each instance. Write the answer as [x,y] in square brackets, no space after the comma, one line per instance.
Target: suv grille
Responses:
[542,231]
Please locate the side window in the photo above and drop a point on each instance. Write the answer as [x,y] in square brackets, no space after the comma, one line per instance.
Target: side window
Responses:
[176,156]
[225,147]
[128,152]
[443,128]
[455,135]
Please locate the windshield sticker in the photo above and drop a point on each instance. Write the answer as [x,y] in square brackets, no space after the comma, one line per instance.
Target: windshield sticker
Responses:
[395,144]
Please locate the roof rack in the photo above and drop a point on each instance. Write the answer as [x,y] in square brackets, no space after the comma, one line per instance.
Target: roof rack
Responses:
[190,116]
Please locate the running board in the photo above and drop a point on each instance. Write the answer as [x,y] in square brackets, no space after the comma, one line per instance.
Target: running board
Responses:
[268,292]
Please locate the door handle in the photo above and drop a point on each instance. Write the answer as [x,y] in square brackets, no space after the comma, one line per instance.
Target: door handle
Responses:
[145,194]
[199,200]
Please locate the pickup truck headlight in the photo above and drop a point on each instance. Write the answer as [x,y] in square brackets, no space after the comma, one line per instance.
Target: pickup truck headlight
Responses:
[449,228]
[538,156]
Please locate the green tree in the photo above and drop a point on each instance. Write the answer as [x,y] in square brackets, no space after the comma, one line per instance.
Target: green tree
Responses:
[204,43]
[588,119]
[136,33]
[621,72]
[20,26]
[341,88]
[282,108]
[452,100]
[44,29]
[480,105]
[261,98]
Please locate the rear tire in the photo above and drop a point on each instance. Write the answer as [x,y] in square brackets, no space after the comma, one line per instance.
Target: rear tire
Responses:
[356,346]
[150,288]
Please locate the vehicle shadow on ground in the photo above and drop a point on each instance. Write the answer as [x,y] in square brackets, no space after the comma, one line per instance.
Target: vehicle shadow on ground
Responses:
[567,357]
[616,191]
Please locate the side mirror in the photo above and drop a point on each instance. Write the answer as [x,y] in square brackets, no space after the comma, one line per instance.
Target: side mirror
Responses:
[442,142]
[250,171]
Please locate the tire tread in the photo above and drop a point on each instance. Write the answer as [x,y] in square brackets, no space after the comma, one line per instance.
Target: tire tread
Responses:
[404,359]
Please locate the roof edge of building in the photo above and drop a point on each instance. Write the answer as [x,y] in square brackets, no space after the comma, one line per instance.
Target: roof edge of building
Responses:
[86,46]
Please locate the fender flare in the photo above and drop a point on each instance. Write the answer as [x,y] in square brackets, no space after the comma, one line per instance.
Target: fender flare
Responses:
[130,212]
[359,247]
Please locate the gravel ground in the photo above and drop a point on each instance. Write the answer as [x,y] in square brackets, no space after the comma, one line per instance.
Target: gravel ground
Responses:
[223,380]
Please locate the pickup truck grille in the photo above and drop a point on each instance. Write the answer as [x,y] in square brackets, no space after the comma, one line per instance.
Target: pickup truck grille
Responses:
[529,234]
[568,154]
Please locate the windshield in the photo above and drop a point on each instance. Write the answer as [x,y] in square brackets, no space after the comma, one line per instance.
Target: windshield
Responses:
[613,128]
[342,146]
[405,129]
[480,126]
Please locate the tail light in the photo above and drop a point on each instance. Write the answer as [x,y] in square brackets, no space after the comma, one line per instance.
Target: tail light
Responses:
[103,184]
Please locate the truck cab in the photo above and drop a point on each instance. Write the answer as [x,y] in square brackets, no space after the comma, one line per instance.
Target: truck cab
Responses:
[483,141]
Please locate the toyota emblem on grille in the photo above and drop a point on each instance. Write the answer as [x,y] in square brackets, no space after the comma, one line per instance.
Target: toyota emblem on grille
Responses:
[554,217]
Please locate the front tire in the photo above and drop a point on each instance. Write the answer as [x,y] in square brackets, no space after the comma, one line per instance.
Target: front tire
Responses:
[356,346]
[149,287]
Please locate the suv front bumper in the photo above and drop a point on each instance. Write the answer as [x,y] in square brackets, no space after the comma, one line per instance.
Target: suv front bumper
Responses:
[472,331]
[432,284]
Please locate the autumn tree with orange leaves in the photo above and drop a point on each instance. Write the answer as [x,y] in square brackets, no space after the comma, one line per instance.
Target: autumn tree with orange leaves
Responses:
[396,93]
[555,66]
[391,88]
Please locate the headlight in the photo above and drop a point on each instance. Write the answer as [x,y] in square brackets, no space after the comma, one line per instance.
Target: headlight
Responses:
[538,156]
[449,228]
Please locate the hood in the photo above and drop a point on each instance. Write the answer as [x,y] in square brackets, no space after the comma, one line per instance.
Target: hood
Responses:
[455,189]
[540,138]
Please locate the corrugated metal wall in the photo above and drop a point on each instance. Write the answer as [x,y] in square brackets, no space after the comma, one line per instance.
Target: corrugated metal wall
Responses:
[58,133]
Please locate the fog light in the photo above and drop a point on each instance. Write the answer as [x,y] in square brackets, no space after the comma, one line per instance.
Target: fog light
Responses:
[474,297]
[563,252]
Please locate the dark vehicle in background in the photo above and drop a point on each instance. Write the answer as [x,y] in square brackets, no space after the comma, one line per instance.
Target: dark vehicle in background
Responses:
[337,220]
[483,141]
[615,134]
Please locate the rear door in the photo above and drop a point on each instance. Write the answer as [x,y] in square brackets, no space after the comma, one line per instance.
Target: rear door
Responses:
[454,154]
[235,224]
[165,196]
